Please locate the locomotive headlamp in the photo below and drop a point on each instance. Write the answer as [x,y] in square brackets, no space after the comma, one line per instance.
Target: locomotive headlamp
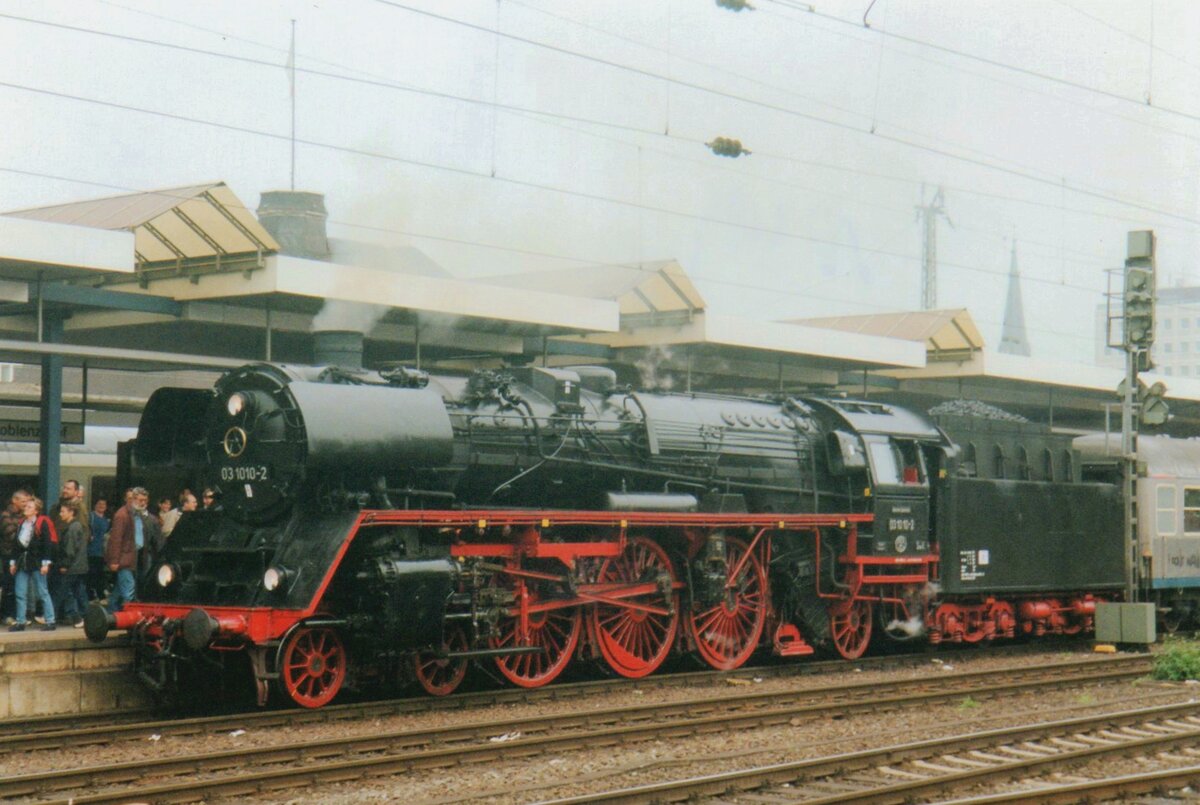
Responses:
[237,403]
[273,579]
[166,575]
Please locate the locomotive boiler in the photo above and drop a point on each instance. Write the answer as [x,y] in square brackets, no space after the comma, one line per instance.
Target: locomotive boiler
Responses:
[389,525]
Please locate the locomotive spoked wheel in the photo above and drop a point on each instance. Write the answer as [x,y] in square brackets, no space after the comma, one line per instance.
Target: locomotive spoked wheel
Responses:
[313,666]
[554,631]
[440,675]
[636,636]
[728,633]
[850,624]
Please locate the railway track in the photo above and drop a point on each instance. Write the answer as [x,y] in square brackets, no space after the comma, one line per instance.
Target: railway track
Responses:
[56,723]
[62,732]
[922,770]
[1105,788]
[341,759]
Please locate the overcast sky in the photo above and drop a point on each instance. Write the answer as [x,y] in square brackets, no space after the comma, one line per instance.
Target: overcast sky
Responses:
[575,136]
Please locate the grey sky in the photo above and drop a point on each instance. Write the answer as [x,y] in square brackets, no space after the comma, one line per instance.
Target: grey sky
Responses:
[819,220]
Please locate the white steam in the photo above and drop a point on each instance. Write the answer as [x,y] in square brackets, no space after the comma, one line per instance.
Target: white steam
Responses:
[654,370]
[913,627]
[339,314]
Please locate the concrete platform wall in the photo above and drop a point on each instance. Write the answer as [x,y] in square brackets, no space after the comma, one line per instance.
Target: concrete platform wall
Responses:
[61,672]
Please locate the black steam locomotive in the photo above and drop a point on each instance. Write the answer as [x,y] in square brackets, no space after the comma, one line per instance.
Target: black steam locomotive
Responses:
[381,526]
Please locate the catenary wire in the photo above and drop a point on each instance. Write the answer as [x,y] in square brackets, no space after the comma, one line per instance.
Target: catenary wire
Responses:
[782,233]
[908,54]
[1059,253]
[1105,23]
[389,84]
[1066,82]
[1050,181]
[505,179]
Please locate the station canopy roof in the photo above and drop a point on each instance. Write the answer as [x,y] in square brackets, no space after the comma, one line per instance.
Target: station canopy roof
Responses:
[195,223]
[947,334]
[204,276]
[639,289]
[665,322]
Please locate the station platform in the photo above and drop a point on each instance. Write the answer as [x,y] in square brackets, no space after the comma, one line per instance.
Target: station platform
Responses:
[61,672]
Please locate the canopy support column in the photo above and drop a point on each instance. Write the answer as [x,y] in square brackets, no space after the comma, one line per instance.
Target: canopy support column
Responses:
[50,444]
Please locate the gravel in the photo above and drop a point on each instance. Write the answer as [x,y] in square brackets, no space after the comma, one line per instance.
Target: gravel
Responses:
[571,773]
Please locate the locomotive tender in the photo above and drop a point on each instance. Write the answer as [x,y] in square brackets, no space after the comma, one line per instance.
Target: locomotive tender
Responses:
[393,525]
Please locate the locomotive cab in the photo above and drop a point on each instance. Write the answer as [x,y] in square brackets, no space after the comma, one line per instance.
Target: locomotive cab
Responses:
[891,454]
[900,491]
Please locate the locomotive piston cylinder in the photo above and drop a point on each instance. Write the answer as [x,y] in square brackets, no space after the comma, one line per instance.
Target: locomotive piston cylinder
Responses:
[416,593]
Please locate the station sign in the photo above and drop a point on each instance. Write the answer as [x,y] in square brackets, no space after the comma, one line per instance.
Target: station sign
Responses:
[28,430]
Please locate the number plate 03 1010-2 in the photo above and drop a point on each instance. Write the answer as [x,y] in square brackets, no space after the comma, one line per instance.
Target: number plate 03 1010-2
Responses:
[245,472]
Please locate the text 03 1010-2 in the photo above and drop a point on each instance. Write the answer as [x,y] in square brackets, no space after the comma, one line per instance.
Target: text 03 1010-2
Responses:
[245,473]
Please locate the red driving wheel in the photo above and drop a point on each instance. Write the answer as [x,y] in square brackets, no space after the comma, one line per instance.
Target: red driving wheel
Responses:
[554,632]
[636,635]
[312,666]
[728,633]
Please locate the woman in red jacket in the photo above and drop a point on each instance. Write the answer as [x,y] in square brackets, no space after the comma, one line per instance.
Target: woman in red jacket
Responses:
[30,563]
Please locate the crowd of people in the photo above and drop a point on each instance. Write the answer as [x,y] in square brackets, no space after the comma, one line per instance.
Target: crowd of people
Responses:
[57,561]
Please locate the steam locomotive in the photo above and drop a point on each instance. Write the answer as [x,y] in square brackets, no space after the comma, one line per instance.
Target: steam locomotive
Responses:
[381,526]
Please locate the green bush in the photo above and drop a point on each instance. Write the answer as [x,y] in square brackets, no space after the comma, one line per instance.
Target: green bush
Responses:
[1178,661]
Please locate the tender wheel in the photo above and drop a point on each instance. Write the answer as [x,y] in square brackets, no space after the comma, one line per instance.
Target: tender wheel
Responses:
[850,623]
[635,636]
[440,676]
[728,633]
[554,631]
[312,666]
[1071,625]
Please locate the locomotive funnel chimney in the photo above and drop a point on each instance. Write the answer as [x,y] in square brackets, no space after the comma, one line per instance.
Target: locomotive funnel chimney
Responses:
[296,220]
[342,348]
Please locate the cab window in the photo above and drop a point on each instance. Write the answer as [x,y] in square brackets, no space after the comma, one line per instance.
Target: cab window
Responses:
[885,462]
[896,463]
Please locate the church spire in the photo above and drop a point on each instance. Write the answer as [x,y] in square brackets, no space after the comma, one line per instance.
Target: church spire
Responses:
[1013,339]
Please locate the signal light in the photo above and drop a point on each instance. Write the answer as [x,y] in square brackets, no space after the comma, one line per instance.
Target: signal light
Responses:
[735,5]
[1139,306]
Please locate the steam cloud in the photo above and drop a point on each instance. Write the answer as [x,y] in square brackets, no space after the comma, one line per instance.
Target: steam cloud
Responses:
[652,366]
[338,314]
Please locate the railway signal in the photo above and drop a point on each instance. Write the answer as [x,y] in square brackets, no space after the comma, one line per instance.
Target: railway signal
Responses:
[1139,306]
[1152,408]
[1137,339]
